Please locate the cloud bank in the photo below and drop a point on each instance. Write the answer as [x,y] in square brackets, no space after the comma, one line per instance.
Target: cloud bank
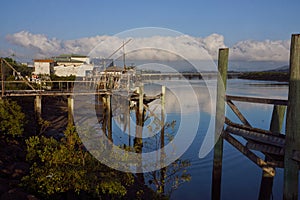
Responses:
[166,47]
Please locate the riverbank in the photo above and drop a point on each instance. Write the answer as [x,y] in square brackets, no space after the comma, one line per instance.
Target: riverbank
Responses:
[265,76]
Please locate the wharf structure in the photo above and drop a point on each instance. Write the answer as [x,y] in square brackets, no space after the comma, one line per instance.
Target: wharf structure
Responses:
[280,150]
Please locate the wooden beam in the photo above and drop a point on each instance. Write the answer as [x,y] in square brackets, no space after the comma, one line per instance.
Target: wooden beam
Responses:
[247,128]
[265,148]
[260,137]
[291,171]
[249,154]
[257,100]
[25,80]
[238,113]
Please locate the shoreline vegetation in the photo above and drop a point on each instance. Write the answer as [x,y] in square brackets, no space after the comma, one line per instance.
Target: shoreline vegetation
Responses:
[46,160]
[265,76]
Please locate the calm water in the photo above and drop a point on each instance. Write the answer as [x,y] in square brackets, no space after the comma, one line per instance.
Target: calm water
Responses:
[241,178]
[188,111]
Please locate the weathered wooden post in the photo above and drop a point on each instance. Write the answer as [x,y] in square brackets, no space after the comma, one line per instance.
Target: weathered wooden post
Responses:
[70,109]
[139,120]
[162,133]
[292,145]
[38,107]
[162,139]
[138,141]
[266,184]
[109,117]
[220,112]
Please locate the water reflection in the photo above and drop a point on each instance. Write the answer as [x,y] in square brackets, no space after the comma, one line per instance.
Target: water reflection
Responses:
[241,178]
[149,130]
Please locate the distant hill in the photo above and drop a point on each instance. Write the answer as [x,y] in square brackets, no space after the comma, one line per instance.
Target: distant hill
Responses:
[280,69]
[280,74]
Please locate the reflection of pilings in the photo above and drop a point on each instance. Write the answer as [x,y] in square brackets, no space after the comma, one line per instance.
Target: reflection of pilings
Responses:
[107,117]
[128,122]
[275,127]
[138,141]
[220,111]
[291,170]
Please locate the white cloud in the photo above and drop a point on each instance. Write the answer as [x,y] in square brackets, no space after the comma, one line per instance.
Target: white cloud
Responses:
[261,50]
[155,47]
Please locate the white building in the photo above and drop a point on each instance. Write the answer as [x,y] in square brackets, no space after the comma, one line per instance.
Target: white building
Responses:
[42,66]
[63,65]
[78,71]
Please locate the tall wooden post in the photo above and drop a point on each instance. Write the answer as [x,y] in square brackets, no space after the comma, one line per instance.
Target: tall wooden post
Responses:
[104,126]
[38,107]
[138,141]
[109,117]
[139,121]
[266,184]
[162,133]
[162,139]
[220,111]
[292,123]
[70,109]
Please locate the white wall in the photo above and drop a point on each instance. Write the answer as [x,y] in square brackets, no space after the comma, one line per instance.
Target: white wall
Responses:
[42,68]
[79,71]
[83,59]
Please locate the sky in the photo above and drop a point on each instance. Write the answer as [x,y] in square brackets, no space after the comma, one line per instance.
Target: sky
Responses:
[249,28]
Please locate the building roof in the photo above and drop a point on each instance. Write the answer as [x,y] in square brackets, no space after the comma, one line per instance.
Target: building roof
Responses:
[44,60]
[71,55]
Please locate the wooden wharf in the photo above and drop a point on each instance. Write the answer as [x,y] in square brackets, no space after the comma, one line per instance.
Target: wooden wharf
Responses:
[280,150]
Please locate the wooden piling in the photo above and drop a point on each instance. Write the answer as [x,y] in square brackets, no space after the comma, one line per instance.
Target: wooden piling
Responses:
[162,133]
[292,123]
[266,185]
[70,109]
[109,118]
[38,107]
[138,141]
[220,112]
[139,121]
[162,140]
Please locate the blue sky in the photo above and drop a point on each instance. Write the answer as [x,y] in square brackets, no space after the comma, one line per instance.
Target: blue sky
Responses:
[236,20]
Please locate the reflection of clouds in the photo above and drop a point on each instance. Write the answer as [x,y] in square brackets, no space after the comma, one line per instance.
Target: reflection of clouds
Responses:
[186,97]
[179,94]
[261,89]
[244,106]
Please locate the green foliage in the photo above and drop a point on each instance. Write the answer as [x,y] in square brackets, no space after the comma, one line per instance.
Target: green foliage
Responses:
[23,69]
[62,78]
[64,166]
[11,118]
[267,76]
